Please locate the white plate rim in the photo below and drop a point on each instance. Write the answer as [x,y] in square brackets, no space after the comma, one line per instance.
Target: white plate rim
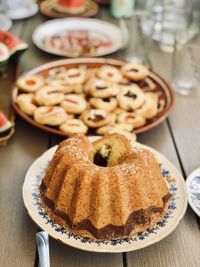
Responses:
[86,21]
[188,181]
[182,199]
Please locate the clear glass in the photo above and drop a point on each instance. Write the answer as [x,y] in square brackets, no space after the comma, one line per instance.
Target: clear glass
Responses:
[186,68]
[167,20]
[135,52]
[176,19]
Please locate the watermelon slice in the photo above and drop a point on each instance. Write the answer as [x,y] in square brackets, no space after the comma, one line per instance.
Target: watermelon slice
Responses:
[12,43]
[70,6]
[5,124]
[4,56]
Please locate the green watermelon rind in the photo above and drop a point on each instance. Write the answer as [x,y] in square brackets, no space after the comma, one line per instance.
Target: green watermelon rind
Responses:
[6,127]
[6,54]
[19,48]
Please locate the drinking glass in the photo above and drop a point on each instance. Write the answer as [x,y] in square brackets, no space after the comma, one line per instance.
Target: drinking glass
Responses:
[186,68]
[176,20]
[168,19]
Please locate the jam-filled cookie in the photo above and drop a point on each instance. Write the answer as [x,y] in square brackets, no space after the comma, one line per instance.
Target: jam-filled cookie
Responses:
[30,83]
[55,71]
[110,73]
[95,118]
[73,76]
[74,104]
[136,120]
[50,95]
[150,107]
[134,72]
[100,88]
[73,126]
[65,87]
[108,104]
[53,116]
[130,97]
[120,126]
[26,103]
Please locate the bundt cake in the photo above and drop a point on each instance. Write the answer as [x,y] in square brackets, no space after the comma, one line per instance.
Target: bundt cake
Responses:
[105,189]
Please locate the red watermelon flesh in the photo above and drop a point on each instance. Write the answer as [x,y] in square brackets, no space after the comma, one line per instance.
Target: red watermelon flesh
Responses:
[71,3]
[5,124]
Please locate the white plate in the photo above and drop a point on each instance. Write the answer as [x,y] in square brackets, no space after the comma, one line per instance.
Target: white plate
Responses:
[100,28]
[193,189]
[163,228]
[23,9]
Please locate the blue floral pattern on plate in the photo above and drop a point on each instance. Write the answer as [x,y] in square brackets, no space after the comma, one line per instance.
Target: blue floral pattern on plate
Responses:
[140,236]
[193,187]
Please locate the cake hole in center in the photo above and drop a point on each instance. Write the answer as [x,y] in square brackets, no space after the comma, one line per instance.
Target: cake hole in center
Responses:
[102,155]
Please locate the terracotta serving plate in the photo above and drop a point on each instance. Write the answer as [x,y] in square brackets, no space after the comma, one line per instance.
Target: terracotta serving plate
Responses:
[48,10]
[162,88]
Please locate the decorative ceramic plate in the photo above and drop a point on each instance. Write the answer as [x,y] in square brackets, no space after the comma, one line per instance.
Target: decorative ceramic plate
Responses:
[99,29]
[162,229]
[47,9]
[193,189]
[162,88]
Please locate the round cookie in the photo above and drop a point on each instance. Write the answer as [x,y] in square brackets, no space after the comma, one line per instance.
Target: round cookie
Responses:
[110,73]
[49,95]
[100,88]
[26,103]
[95,118]
[65,87]
[136,120]
[74,104]
[73,76]
[131,97]
[134,72]
[150,107]
[73,126]
[120,126]
[55,71]
[108,104]
[53,116]
[30,83]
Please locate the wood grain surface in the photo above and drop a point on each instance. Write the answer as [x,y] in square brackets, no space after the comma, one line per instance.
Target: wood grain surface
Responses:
[177,138]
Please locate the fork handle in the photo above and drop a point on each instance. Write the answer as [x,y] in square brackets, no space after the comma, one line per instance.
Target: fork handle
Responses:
[42,241]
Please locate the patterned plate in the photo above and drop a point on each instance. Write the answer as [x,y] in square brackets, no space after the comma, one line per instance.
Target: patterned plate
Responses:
[162,229]
[193,189]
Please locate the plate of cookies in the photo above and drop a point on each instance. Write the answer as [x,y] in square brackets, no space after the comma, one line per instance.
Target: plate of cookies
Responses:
[92,96]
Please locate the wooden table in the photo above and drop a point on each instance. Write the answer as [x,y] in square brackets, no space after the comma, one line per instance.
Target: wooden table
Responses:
[178,138]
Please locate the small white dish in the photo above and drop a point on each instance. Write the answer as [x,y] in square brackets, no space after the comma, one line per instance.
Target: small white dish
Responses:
[176,211]
[193,189]
[25,10]
[105,30]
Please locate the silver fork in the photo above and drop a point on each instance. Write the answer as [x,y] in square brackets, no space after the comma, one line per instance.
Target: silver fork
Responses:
[42,241]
